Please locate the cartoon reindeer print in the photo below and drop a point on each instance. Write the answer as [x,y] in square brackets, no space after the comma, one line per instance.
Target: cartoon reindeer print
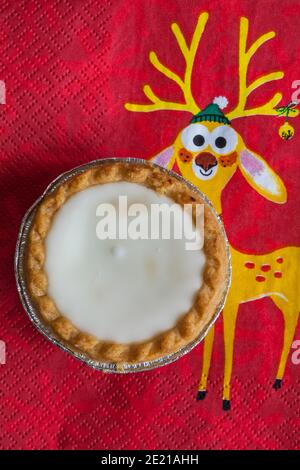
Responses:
[208,152]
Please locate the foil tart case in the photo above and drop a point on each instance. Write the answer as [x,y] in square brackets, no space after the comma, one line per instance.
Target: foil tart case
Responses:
[47,331]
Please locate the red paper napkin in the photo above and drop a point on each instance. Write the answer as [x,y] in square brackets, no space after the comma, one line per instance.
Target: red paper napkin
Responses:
[68,69]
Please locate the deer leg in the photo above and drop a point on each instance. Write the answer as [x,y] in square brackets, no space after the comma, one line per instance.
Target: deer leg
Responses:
[229,320]
[207,352]
[291,317]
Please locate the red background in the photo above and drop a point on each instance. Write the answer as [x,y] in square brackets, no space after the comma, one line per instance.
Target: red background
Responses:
[69,67]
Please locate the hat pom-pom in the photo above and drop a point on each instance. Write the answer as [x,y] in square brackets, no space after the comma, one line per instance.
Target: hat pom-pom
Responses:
[221,101]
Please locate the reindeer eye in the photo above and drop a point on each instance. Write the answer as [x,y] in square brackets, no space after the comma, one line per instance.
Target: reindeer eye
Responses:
[198,140]
[223,139]
[195,137]
[220,142]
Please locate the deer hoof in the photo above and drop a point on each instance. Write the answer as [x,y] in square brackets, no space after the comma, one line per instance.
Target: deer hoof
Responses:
[277,384]
[226,405]
[201,395]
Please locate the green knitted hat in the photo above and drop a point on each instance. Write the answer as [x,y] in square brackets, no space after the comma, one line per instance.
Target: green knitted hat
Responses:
[212,112]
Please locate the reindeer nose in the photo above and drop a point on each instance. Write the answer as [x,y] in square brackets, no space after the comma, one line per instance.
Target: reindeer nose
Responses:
[206,160]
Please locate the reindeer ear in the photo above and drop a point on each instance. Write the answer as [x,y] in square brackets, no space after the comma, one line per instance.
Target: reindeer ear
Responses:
[165,158]
[261,177]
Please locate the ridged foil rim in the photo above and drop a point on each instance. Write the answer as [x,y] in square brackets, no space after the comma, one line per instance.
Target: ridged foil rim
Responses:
[48,332]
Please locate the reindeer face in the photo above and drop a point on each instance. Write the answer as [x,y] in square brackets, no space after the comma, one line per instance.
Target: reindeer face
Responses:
[207,150]
[208,153]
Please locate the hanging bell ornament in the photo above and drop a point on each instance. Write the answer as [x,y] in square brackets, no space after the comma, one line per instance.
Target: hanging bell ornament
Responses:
[286,131]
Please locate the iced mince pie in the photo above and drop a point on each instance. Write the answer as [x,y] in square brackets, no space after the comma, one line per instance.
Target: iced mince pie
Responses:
[121,298]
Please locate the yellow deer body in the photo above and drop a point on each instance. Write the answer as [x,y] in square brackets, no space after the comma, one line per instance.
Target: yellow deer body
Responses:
[208,152]
[273,275]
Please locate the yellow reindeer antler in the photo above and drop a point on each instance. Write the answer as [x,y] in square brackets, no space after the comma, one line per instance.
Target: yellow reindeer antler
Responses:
[189,54]
[244,90]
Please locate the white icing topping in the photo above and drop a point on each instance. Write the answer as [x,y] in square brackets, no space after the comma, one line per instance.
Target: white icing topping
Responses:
[118,290]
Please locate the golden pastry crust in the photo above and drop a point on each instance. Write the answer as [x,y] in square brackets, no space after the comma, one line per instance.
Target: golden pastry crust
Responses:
[191,324]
